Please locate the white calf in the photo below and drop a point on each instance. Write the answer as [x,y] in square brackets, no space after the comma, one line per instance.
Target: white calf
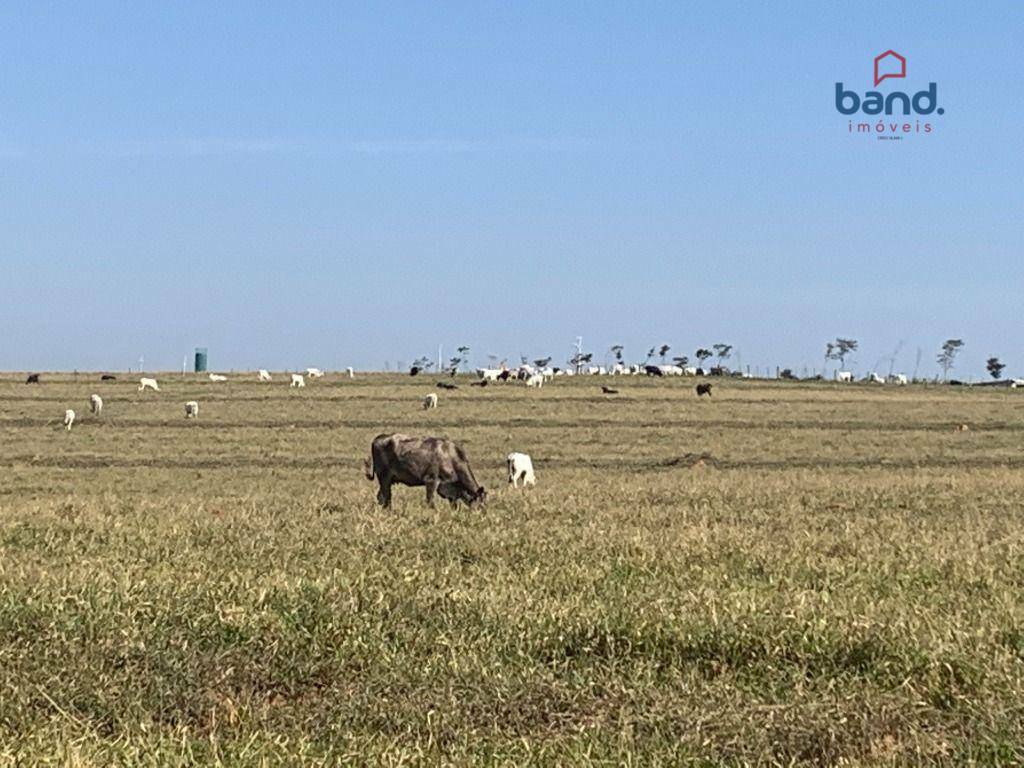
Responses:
[191,409]
[145,383]
[430,401]
[314,373]
[520,467]
[96,404]
[264,375]
[297,380]
[217,377]
[844,375]
[69,419]
[536,380]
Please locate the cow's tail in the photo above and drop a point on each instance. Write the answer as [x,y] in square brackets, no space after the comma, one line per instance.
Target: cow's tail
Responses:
[368,468]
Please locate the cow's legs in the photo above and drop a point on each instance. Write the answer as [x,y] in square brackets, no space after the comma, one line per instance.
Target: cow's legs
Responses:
[384,494]
[431,484]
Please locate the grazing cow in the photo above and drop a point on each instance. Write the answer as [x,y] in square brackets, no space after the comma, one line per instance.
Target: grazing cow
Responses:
[844,376]
[69,419]
[505,375]
[108,377]
[264,375]
[520,467]
[191,409]
[446,385]
[704,389]
[609,390]
[96,404]
[314,373]
[898,378]
[962,428]
[874,378]
[434,462]
[653,370]
[217,377]
[535,380]
[430,401]
[691,371]
[351,373]
[297,380]
[33,378]
[671,370]
[145,383]
[488,374]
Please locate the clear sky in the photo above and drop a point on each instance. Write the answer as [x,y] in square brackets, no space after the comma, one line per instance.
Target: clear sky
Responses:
[340,184]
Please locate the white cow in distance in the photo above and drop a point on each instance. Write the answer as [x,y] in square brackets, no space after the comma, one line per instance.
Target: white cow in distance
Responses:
[351,373]
[96,404]
[430,401]
[488,374]
[264,375]
[297,380]
[191,409]
[898,378]
[69,419]
[145,383]
[217,377]
[314,373]
[844,375]
[535,380]
[520,467]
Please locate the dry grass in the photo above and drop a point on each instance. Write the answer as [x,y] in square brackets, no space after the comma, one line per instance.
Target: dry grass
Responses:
[808,574]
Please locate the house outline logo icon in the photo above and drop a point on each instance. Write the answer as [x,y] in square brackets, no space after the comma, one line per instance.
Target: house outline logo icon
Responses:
[882,57]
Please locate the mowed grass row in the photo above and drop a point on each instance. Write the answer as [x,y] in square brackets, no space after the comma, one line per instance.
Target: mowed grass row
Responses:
[844,586]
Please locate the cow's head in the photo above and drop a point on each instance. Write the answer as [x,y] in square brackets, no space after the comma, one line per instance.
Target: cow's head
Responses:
[479,497]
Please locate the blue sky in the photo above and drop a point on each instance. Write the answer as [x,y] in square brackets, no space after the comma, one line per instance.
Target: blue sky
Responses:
[342,184]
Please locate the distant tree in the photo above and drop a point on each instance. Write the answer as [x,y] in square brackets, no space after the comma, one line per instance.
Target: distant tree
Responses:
[994,367]
[839,350]
[681,361]
[947,356]
[580,359]
[464,354]
[787,373]
[453,365]
[650,354]
[662,351]
[421,364]
[542,362]
[702,355]
[722,352]
[616,350]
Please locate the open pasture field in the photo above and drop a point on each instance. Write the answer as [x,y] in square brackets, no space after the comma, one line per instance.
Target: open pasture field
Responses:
[844,583]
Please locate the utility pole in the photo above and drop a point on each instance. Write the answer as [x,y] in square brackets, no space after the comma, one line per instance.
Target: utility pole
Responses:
[579,353]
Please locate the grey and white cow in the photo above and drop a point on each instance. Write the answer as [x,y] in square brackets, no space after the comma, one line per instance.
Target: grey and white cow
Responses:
[438,464]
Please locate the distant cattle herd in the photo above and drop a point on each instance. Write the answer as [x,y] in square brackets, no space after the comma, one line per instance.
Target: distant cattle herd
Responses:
[438,464]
